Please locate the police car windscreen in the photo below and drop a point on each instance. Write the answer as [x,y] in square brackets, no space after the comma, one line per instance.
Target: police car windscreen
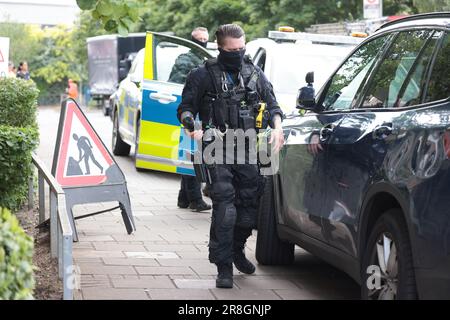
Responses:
[289,67]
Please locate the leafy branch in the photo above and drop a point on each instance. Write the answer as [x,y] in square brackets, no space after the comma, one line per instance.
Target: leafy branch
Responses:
[117,16]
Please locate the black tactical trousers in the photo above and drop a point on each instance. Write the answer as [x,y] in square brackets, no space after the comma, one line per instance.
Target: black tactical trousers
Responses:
[235,197]
[190,189]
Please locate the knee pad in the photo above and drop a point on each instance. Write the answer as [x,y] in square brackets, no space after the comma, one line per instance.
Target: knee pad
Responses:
[247,218]
[222,191]
[225,217]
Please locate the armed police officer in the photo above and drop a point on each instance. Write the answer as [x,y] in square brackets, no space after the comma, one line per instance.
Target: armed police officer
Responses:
[223,93]
[190,195]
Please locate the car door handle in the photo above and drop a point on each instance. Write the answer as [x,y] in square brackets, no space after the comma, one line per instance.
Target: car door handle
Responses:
[326,132]
[163,97]
[383,131]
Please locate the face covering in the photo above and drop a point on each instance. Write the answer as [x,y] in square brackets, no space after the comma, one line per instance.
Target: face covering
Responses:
[231,60]
[200,43]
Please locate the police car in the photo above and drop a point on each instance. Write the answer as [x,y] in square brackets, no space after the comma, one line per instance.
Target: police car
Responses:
[145,105]
[286,56]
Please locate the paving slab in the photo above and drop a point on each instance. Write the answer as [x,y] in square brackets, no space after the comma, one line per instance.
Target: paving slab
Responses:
[144,283]
[114,294]
[180,294]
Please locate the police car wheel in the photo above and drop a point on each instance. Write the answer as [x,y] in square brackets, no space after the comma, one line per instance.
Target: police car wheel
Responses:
[119,147]
[270,249]
[387,269]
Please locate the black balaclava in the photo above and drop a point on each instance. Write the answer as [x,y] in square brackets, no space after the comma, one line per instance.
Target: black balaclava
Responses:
[231,60]
[200,43]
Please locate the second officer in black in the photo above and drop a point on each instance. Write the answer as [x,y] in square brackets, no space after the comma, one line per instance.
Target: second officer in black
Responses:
[223,92]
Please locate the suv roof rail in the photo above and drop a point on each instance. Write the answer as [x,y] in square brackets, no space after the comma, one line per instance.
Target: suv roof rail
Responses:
[314,37]
[444,14]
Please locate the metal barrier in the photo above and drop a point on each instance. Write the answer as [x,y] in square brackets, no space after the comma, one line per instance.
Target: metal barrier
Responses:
[61,233]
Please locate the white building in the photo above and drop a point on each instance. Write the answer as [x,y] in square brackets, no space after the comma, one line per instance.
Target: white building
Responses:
[41,12]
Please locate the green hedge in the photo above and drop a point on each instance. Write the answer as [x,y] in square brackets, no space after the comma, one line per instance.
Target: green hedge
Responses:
[16,255]
[18,138]
[18,102]
[16,145]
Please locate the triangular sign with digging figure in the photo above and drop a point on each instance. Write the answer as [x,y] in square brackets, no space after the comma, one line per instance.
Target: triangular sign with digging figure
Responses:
[83,159]
[85,168]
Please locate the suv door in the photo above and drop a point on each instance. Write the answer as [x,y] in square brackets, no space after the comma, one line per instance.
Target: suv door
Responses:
[372,143]
[304,162]
[162,143]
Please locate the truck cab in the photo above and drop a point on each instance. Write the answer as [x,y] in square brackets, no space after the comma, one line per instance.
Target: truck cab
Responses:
[109,60]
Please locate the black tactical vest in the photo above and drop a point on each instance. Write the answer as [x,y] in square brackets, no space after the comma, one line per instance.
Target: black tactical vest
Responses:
[234,107]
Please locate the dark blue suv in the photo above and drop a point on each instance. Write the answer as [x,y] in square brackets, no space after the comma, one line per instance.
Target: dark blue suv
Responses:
[364,176]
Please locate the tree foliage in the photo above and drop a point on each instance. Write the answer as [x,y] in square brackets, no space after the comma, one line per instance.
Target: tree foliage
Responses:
[24,44]
[54,62]
[257,16]
[86,26]
[117,16]
[60,53]
[432,5]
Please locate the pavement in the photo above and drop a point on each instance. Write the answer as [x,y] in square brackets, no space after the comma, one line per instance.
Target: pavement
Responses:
[167,257]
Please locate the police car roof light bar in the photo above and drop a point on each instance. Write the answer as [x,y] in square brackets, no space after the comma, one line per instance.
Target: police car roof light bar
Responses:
[314,37]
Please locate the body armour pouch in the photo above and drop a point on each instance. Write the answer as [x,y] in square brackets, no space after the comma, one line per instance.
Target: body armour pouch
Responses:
[221,113]
[233,103]
[246,119]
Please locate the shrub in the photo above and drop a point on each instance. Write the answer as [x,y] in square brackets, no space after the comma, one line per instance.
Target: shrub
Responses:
[18,102]
[16,145]
[16,254]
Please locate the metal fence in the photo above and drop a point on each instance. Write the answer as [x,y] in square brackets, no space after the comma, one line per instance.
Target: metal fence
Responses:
[61,233]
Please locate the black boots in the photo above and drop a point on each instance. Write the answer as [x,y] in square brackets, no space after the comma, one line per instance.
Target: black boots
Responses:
[225,271]
[225,276]
[206,191]
[182,201]
[242,263]
[182,204]
[199,205]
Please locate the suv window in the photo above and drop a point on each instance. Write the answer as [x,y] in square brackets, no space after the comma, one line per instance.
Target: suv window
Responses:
[395,67]
[346,81]
[412,89]
[439,85]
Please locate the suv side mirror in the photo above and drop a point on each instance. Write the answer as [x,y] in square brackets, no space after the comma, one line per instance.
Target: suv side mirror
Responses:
[122,73]
[309,78]
[306,95]
[123,64]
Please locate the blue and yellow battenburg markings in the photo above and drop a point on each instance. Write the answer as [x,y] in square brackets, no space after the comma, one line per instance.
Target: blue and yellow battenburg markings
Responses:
[162,138]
